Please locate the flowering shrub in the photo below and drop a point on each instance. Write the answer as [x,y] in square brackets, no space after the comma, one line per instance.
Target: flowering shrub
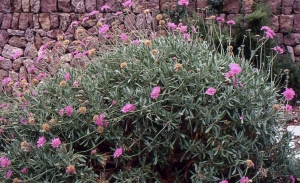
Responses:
[180,113]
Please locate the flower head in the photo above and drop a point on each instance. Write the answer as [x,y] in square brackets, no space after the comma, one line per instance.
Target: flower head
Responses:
[231,22]
[124,36]
[100,121]
[6,80]
[224,181]
[103,29]
[171,25]
[136,42]
[84,19]
[118,152]
[235,68]
[289,93]
[61,112]
[41,141]
[244,180]
[105,7]
[288,107]
[4,162]
[75,84]
[55,142]
[67,76]
[155,92]
[82,110]
[220,19]
[292,179]
[127,4]
[93,13]
[210,91]
[270,34]
[24,170]
[8,174]
[118,13]
[93,152]
[278,49]
[249,163]
[194,29]
[183,29]
[69,110]
[128,108]
[183,2]
[71,169]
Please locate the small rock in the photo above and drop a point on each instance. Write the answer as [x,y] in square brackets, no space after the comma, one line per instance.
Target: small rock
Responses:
[9,51]
[64,5]
[12,32]
[44,19]
[35,6]
[26,6]
[16,41]
[30,51]
[48,5]
[17,64]
[6,23]
[78,5]
[3,37]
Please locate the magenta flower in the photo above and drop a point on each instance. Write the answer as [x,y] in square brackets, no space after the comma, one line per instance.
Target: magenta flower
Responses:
[71,169]
[8,174]
[136,42]
[183,2]
[231,22]
[210,91]
[123,36]
[23,120]
[105,7]
[220,19]
[93,152]
[55,142]
[31,69]
[41,75]
[171,25]
[103,29]
[118,152]
[155,92]
[224,181]
[194,29]
[229,74]
[6,80]
[41,141]
[24,170]
[114,102]
[288,107]
[17,54]
[34,93]
[186,36]
[4,162]
[118,13]
[93,13]
[235,68]
[84,19]
[100,121]
[61,112]
[265,28]
[289,93]
[244,180]
[278,49]
[128,108]
[67,76]
[183,29]
[69,110]
[292,179]
[127,4]
[270,34]
[75,84]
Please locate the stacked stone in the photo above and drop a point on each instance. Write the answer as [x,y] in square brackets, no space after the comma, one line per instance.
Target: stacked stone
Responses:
[26,25]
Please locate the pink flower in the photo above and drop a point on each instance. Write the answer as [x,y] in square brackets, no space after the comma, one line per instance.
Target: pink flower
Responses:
[6,80]
[118,13]
[183,2]
[220,19]
[41,141]
[194,29]
[128,108]
[171,25]
[127,4]
[289,93]
[1,58]
[23,120]
[75,84]
[244,180]
[278,49]
[100,121]
[270,34]
[34,93]
[114,102]
[224,181]
[41,75]
[155,92]
[266,28]
[231,22]
[105,7]
[93,13]
[93,152]
[287,107]
[235,68]
[118,152]
[241,117]
[84,19]
[4,162]
[136,42]
[183,29]
[210,91]
[123,36]
[229,74]
[67,76]
[24,170]
[103,29]
[61,112]
[55,142]
[292,179]
[31,69]
[69,110]
[17,54]
[8,174]
[71,169]
[186,36]
[40,57]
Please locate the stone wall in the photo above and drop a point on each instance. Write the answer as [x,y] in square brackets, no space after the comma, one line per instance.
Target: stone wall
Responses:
[26,25]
